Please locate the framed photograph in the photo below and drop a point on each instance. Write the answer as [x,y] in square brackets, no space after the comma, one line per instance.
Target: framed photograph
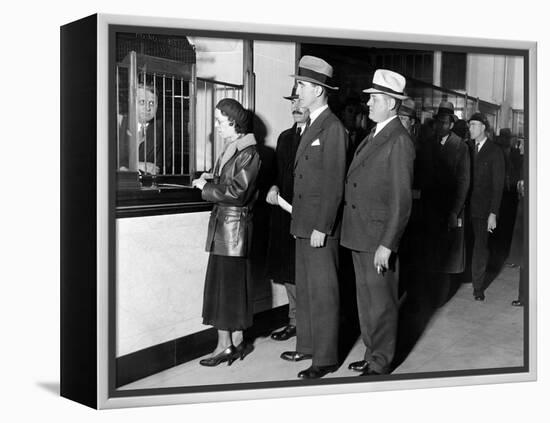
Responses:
[143,148]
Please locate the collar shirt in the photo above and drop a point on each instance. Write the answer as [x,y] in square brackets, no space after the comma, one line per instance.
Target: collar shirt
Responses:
[381,125]
[315,113]
[479,144]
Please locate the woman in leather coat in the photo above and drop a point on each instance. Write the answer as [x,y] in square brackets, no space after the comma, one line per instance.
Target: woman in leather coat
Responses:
[227,302]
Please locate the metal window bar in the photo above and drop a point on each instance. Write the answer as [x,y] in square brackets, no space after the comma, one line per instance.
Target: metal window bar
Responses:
[175,157]
[207,94]
[117,89]
[155,123]
[144,126]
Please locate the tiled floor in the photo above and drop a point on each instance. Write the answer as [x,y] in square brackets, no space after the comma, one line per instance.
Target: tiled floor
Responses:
[461,335]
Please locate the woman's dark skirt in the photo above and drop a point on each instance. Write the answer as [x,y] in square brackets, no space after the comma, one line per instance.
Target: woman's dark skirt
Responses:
[227,302]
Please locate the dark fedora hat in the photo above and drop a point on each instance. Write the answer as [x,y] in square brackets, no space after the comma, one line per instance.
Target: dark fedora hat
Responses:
[293,95]
[446,108]
[480,117]
[407,108]
[315,70]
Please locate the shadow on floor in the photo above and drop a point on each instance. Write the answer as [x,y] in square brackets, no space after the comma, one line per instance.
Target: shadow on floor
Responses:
[425,294]
[51,387]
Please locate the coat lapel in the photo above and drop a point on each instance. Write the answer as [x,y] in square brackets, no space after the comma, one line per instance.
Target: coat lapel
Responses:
[311,134]
[373,144]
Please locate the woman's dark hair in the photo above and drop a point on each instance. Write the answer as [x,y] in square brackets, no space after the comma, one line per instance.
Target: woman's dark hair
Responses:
[236,113]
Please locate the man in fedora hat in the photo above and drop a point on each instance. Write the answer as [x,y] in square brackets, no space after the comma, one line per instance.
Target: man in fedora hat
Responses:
[319,171]
[445,168]
[281,249]
[376,210]
[407,116]
[485,196]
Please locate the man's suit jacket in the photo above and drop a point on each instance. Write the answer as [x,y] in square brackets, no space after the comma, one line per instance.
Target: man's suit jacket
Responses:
[378,192]
[153,155]
[319,172]
[487,180]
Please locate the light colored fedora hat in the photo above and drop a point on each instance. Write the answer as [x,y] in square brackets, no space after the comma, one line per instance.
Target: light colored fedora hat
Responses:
[388,82]
[315,70]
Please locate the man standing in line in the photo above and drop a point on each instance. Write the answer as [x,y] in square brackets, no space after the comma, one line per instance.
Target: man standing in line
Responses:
[377,205]
[282,251]
[319,172]
[486,194]
[445,166]
[407,116]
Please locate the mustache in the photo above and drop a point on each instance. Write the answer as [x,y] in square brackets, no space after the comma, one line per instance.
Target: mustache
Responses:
[297,112]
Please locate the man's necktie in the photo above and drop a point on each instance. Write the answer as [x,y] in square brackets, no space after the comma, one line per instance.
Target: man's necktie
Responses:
[369,138]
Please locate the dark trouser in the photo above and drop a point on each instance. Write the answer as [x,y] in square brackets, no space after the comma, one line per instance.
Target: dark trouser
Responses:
[480,254]
[522,288]
[291,294]
[377,304]
[317,301]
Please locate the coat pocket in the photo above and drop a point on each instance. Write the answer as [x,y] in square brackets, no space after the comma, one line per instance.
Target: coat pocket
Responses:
[228,227]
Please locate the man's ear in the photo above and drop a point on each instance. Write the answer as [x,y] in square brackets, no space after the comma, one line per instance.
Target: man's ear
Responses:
[319,90]
[452,125]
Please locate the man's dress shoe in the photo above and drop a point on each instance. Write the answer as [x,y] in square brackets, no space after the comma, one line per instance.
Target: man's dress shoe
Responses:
[316,372]
[295,356]
[359,366]
[284,334]
[517,303]
[479,297]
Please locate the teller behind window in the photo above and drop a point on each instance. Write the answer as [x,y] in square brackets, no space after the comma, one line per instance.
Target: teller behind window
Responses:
[153,135]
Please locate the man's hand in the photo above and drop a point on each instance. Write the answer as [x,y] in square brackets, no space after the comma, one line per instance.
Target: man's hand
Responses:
[272,195]
[452,222]
[206,175]
[148,167]
[199,183]
[317,239]
[491,222]
[521,189]
[382,259]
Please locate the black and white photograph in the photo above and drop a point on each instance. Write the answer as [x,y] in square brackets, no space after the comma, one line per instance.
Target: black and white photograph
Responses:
[294,211]
[316,209]
[288,209]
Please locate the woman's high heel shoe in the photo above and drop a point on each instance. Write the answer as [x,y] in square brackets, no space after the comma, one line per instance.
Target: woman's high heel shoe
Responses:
[241,351]
[226,355]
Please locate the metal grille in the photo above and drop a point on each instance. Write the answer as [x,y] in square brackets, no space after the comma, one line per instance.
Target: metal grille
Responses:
[163,144]
[209,143]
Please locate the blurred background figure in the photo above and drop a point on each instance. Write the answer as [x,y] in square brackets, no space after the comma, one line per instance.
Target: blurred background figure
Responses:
[407,116]
[460,128]
[282,245]
[485,196]
[351,117]
[445,166]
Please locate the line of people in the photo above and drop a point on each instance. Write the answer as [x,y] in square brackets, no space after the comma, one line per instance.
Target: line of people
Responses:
[361,202]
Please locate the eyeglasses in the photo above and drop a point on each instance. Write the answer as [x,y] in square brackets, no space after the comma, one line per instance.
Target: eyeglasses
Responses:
[150,103]
[219,122]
